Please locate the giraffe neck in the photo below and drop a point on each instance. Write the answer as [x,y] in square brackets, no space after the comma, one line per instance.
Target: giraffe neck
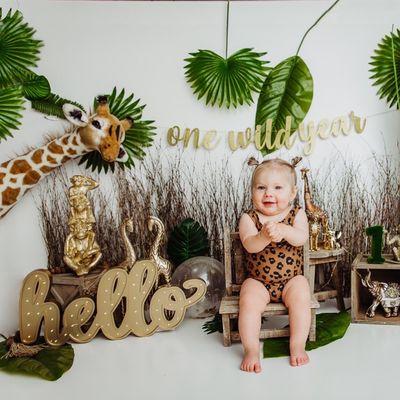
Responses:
[20,174]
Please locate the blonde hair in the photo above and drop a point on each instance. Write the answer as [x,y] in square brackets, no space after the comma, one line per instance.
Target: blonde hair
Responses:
[274,162]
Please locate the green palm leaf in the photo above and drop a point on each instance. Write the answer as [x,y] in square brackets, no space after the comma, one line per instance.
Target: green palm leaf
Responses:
[187,240]
[226,81]
[35,86]
[19,51]
[136,138]
[287,91]
[386,69]
[11,105]
[52,105]
[49,364]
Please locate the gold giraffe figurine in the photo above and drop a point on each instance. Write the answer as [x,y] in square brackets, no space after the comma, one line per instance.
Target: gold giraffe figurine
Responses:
[164,267]
[81,251]
[127,264]
[315,213]
[396,241]
[315,230]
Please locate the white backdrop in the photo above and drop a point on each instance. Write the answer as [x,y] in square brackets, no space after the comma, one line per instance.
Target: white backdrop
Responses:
[89,47]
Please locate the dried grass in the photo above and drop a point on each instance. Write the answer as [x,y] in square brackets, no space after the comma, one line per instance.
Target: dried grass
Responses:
[172,190]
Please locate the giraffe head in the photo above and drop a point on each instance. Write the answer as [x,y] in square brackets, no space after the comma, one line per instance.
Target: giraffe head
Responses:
[101,131]
[304,172]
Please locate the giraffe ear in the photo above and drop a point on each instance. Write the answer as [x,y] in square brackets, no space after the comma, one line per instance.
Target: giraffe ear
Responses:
[75,115]
[122,155]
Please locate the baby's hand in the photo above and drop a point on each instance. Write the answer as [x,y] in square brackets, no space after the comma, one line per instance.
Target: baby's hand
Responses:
[264,232]
[275,231]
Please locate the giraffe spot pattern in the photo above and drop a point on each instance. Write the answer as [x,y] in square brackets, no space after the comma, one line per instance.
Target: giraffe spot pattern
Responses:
[51,160]
[9,196]
[31,178]
[20,167]
[45,169]
[4,164]
[37,156]
[55,148]
[2,175]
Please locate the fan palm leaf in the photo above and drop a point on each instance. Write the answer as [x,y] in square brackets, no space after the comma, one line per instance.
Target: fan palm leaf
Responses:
[386,69]
[287,91]
[138,137]
[226,81]
[11,106]
[19,51]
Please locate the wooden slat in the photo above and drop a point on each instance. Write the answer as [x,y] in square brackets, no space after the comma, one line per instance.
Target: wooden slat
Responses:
[230,305]
[264,334]
[227,260]
[326,294]
[326,253]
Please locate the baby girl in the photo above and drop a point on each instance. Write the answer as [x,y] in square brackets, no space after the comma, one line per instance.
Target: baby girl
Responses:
[273,234]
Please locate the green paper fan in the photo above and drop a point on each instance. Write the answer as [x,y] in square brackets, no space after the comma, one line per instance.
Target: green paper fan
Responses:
[136,138]
[11,106]
[386,69]
[19,51]
[229,81]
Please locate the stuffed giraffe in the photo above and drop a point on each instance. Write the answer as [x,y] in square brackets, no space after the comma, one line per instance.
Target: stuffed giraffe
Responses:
[101,131]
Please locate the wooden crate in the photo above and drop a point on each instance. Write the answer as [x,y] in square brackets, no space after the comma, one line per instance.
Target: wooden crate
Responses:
[361,299]
[67,287]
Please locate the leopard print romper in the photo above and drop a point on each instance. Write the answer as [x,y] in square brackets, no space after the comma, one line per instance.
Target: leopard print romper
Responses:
[277,263]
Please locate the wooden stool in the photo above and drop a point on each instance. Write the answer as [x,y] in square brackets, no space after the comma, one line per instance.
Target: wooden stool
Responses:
[234,260]
[330,257]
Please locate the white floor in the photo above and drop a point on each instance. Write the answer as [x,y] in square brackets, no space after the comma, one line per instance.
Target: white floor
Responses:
[188,364]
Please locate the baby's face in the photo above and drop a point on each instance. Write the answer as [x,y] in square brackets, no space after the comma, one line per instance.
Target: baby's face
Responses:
[273,190]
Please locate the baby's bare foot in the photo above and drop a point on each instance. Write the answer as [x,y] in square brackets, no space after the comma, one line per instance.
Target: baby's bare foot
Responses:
[298,356]
[251,362]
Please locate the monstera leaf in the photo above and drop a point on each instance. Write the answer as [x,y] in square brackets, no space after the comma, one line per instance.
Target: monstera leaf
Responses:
[49,364]
[287,91]
[187,240]
[226,81]
[139,136]
[386,69]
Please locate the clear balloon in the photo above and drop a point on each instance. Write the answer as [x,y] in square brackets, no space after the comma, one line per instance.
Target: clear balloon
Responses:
[211,271]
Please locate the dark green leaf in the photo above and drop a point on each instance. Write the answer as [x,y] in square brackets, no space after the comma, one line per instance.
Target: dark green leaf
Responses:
[50,363]
[287,91]
[187,240]
[35,86]
[214,325]
[330,327]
